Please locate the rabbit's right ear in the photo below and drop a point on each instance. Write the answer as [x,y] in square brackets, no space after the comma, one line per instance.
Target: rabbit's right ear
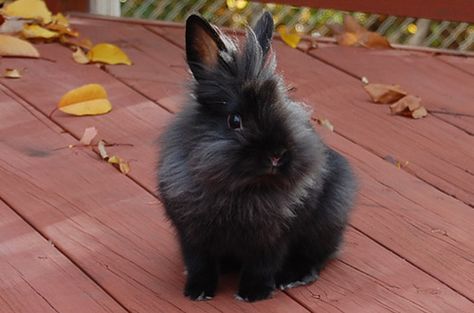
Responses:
[203,44]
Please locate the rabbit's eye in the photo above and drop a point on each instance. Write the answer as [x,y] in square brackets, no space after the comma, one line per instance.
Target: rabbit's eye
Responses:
[234,121]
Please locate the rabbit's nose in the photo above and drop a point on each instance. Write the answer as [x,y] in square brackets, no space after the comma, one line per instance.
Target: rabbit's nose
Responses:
[277,159]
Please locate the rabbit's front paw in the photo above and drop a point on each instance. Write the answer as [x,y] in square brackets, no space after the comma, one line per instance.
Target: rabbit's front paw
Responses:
[252,291]
[200,290]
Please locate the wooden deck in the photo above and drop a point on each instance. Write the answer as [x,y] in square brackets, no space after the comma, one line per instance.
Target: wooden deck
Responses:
[76,235]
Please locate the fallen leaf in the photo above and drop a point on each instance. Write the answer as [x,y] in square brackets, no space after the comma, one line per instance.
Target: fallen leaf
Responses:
[419,113]
[353,34]
[409,106]
[381,93]
[326,123]
[291,38]
[120,163]
[397,163]
[36,31]
[60,19]
[109,54]
[29,9]
[80,57]
[75,42]
[89,99]
[62,30]
[89,134]
[12,73]
[102,151]
[15,47]
[12,25]
[408,102]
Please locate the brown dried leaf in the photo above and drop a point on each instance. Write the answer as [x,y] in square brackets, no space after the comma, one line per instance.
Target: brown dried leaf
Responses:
[326,123]
[384,94]
[12,73]
[352,26]
[409,106]
[89,134]
[80,57]
[353,34]
[419,113]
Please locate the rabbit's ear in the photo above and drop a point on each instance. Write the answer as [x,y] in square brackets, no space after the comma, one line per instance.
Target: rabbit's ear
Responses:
[264,31]
[203,44]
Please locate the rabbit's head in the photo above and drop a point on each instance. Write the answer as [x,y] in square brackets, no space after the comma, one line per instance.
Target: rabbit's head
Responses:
[246,132]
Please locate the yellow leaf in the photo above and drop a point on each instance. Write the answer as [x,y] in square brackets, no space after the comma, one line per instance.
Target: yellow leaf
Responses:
[80,57]
[86,100]
[36,31]
[60,19]
[108,53]
[290,38]
[12,73]
[29,9]
[63,30]
[120,163]
[11,46]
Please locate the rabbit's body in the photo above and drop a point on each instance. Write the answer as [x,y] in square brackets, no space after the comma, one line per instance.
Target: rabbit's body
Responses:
[244,177]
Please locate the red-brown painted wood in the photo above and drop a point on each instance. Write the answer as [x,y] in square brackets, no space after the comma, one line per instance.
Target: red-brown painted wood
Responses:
[441,87]
[36,277]
[464,63]
[140,222]
[454,10]
[107,224]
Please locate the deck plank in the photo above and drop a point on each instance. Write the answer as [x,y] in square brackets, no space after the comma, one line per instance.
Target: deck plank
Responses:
[35,276]
[127,124]
[442,87]
[463,63]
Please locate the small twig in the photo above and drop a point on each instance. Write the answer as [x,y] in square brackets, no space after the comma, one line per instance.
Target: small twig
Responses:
[94,145]
[451,113]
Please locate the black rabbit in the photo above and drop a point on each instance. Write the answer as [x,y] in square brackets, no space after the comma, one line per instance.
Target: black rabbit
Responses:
[244,177]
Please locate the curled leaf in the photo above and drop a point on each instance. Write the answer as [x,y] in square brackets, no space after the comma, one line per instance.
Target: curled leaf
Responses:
[120,163]
[15,47]
[109,54]
[12,73]
[60,19]
[80,57]
[326,123]
[291,38]
[381,93]
[36,31]
[89,134]
[86,100]
[29,9]
[409,106]
[353,34]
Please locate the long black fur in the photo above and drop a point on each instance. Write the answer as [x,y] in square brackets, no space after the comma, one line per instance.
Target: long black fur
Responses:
[227,201]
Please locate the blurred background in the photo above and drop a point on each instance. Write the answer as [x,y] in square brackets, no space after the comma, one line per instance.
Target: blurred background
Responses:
[310,21]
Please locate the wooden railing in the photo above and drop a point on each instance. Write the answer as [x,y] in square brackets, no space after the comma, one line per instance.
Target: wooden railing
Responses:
[449,10]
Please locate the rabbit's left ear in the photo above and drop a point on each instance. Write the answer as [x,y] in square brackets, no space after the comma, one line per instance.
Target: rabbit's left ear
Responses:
[203,44]
[264,31]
